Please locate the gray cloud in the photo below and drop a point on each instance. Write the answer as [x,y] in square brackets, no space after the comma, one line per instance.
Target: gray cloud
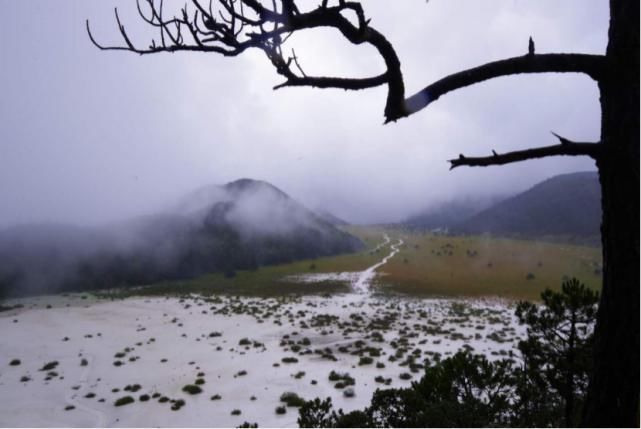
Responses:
[90,136]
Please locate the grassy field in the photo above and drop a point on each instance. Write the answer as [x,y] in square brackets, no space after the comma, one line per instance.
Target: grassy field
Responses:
[427,265]
[483,266]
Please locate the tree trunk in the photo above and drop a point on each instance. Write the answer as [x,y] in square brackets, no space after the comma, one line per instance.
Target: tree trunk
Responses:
[613,395]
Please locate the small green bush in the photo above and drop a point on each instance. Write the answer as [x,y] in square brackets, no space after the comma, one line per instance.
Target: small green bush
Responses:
[177,404]
[292,399]
[365,360]
[49,366]
[124,401]
[192,389]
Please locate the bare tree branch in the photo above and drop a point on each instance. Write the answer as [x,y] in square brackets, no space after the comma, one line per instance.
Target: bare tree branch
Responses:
[242,24]
[566,148]
[592,65]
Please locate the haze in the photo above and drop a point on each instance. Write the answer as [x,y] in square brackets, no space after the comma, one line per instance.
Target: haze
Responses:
[91,137]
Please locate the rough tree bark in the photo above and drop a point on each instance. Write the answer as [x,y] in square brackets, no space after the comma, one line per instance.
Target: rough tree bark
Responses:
[613,397]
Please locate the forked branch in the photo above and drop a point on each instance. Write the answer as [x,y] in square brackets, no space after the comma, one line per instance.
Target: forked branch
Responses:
[238,25]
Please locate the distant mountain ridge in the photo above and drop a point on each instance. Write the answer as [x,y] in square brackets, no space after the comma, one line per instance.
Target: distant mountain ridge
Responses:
[563,205]
[241,225]
[568,204]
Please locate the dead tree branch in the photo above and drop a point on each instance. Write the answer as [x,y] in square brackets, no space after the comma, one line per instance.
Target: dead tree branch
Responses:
[565,148]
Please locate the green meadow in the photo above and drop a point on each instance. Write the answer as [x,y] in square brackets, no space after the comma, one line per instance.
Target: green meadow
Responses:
[427,265]
[485,266]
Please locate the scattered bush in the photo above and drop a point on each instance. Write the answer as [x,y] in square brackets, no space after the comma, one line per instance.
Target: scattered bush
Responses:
[365,360]
[177,404]
[405,376]
[49,366]
[124,401]
[292,399]
[192,389]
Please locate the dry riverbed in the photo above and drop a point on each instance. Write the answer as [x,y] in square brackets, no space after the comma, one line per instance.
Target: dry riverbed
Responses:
[70,364]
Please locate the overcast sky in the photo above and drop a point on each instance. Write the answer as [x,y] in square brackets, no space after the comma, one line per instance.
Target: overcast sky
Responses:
[90,137]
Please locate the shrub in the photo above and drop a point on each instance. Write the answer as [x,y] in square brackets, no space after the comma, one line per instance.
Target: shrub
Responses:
[292,399]
[244,342]
[143,397]
[199,381]
[49,366]
[235,412]
[123,401]
[177,404]
[365,360]
[349,393]
[14,362]
[69,407]
[216,397]
[405,376]
[192,389]
[281,410]
[289,360]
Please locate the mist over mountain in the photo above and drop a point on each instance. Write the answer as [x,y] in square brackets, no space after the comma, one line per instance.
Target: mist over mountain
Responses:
[564,205]
[331,218]
[241,225]
[450,213]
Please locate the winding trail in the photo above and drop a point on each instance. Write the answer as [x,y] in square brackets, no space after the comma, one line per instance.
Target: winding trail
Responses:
[363,282]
